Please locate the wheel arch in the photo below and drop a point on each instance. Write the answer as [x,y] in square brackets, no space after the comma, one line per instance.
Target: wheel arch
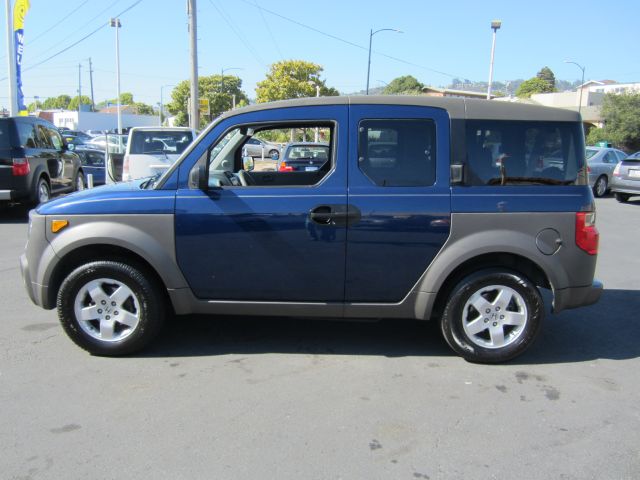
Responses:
[96,252]
[495,260]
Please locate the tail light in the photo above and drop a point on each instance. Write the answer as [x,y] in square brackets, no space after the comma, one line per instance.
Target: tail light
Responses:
[587,235]
[20,167]
[588,169]
[616,171]
[285,168]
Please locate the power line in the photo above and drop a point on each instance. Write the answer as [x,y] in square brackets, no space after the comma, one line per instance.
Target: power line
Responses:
[58,23]
[266,24]
[334,37]
[238,34]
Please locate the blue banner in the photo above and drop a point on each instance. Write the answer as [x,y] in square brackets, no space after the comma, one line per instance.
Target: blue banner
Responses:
[19,11]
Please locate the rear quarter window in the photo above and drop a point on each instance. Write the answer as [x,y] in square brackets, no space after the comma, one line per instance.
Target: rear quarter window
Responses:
[524,153]
[5,137]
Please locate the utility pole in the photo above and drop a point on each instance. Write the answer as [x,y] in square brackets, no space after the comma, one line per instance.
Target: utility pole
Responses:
[115,22]
[11,61]
[194,117]
[79,89]
[93,103]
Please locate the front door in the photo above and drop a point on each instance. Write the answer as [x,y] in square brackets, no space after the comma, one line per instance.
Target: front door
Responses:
[259,234]
[399,183]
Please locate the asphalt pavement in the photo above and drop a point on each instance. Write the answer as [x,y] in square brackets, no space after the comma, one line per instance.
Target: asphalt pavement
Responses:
[246,398]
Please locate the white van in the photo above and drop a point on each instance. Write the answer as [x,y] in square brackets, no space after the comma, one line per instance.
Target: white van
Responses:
[152,150]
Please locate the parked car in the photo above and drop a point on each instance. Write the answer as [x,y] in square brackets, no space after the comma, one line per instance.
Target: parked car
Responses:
[626,179]
[93,162]
[256,147]
[116,143]
[423,239]
[304,156]
[152,150]
[600,165]
[35,161]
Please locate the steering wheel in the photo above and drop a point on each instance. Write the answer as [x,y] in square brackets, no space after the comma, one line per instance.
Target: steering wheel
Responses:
[245,178]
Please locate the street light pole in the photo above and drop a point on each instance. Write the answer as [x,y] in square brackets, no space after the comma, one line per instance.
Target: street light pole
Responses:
[495,25]
[11,63]
[581,83]
[222,70]
[161,106]
[115,22]
[371,34]
[194,117]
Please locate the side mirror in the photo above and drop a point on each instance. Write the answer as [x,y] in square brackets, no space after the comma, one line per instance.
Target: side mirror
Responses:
[70,146]
[248,164]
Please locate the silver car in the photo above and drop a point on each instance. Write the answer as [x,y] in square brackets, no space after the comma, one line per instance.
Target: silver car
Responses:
[600,164]
[255,147]
[626,179]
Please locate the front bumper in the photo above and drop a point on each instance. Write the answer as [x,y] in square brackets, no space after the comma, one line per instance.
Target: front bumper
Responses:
[575,297]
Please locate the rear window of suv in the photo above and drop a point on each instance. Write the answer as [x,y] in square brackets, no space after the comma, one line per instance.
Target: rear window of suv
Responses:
[529,153]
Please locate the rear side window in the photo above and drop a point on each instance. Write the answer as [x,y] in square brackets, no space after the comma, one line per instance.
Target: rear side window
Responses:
[397,153]
[27,134]
[43,140]
[530,153]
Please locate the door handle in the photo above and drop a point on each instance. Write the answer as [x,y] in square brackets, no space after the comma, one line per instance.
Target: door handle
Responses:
[335,215]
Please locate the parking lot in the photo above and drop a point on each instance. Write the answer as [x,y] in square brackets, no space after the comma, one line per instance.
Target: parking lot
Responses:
[309,399]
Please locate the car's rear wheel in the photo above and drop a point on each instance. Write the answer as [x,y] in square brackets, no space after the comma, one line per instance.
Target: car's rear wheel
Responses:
[79,183]
[601,185]
[110,308]
[492,316]
[41,192]
[622,197]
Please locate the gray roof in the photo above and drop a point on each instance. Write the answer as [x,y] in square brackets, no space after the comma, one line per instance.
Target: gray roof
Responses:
[457,108]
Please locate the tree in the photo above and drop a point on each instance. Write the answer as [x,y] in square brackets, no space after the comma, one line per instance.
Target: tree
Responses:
[61,101]
[547,75]
[73,104]
[621,114]
[218,89]
[292,79]
[407,85]
[532,86]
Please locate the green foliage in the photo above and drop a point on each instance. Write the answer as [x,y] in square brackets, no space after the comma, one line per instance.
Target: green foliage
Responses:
[407,85]
[218,89]
[61,101]
[547,75]
[142,108]
[532,86]
[292,79]
[73,104]
[621,114]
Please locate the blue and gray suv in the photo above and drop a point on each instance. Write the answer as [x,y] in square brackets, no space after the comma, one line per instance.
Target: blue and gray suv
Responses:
[449,209]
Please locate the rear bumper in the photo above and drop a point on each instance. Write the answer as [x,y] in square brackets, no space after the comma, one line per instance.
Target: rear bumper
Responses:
[625,186]
[575,297]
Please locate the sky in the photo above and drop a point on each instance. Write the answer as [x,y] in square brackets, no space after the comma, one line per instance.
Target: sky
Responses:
[440,41]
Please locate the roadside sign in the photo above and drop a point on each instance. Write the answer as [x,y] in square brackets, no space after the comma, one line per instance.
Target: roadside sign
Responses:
[204,106]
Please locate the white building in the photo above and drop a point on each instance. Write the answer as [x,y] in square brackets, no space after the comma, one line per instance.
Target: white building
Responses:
[75,120]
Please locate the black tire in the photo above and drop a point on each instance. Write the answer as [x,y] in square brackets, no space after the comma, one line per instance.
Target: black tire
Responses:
[41,192]
[274,154]
[140,299]
[79,182]
[622,197]
[524,303]
[601,186]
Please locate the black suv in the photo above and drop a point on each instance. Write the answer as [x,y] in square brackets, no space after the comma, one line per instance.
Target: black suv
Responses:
[35,161]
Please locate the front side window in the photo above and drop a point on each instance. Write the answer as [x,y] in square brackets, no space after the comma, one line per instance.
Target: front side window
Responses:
[273,156]
[397,153]
[516,153]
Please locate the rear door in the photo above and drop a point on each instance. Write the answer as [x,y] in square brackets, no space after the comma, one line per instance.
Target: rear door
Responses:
[399,185]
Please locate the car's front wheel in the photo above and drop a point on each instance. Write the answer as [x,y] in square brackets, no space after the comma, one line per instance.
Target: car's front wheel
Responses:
[274,154]
[492,316]
[110,308]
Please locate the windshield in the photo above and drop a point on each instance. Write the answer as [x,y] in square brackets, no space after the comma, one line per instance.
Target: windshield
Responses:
[159,142]
[591,152]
